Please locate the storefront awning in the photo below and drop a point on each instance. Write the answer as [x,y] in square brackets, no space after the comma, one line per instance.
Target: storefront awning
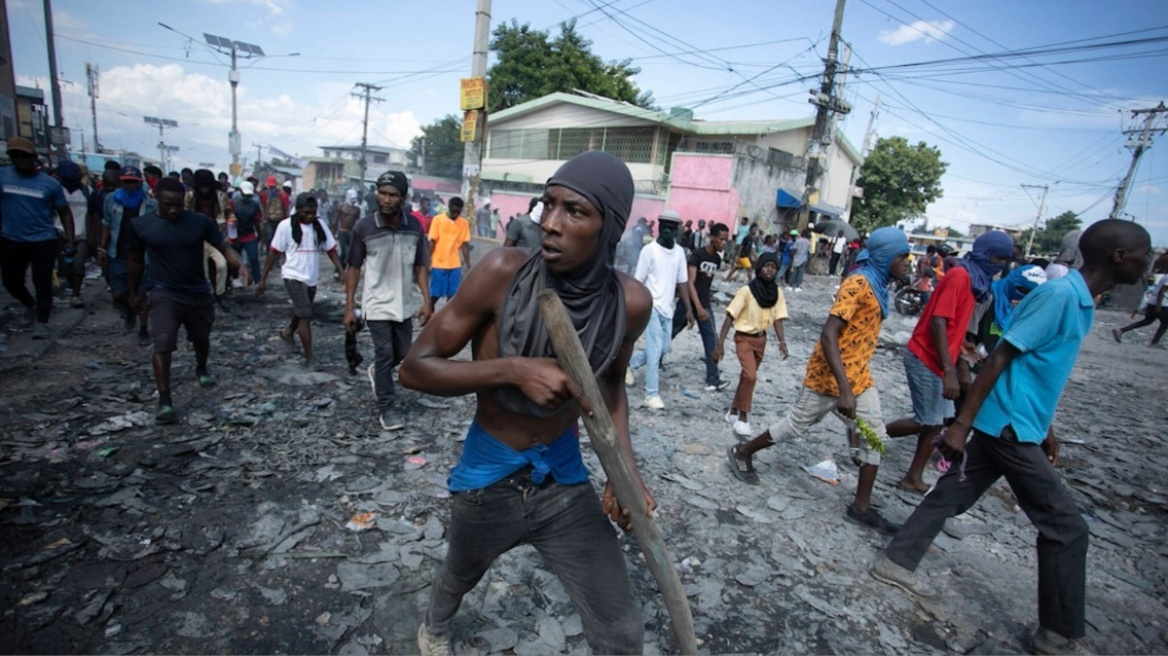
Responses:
[787,199]
[826,211]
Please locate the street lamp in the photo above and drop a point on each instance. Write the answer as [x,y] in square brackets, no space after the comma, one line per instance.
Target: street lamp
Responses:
[163,149]
[236,49]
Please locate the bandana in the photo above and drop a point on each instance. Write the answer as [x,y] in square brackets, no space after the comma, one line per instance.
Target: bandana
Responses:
[1012,289]
[977,261]
[884,245]
[126,198]
[765,293]
[592,295]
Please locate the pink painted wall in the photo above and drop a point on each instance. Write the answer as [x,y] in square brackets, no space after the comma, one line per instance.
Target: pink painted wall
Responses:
[515,203]
[700,188]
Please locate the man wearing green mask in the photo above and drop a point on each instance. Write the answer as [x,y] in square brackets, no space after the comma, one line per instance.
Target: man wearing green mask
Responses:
[663,270]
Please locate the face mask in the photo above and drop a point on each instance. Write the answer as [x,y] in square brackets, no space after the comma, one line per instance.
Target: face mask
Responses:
[668,236]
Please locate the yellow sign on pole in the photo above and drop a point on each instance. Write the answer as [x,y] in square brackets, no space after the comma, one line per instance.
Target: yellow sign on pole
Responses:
[470,125]
[474,93]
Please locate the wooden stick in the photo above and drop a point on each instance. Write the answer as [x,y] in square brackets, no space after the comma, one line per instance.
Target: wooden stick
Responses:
[602,434]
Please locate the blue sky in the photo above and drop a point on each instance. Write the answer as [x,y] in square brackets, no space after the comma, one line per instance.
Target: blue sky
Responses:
[999,123]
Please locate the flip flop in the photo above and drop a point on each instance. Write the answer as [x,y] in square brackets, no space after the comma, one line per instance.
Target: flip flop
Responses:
[206,380]
[285,335]
[742,466]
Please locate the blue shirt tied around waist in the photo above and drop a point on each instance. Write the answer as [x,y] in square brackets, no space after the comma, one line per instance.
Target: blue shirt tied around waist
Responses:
[486,461]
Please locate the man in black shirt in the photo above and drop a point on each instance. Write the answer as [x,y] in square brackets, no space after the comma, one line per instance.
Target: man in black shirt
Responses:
[703,264]
[180,294]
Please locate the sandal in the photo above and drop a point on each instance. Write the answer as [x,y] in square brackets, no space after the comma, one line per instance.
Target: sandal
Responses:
[206,380]
[742,466]
[285,334]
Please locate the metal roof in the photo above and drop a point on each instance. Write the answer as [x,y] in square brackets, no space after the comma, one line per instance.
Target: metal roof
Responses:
[679,123]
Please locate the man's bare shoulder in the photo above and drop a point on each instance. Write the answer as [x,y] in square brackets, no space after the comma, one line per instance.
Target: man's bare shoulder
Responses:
[638,301]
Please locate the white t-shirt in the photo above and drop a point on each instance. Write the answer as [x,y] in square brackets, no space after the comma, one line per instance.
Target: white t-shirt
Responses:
[662,270]
[79,205]
[839,245]
[1153,291]
[301,261]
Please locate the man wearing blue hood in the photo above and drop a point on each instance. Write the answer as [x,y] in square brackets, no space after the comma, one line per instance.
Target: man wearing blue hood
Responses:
[1004,429]
[838,379]
[931,359]
[521,477]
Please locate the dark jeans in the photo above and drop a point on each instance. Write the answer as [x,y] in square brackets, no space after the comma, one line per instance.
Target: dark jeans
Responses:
[833,263]
[1062,533]
[709,337]
[15,258]
[565,525]
[343,240]
[252,250]
[391,340]
[1151,315]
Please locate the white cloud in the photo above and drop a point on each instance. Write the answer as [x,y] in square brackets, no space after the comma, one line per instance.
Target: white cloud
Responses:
[928,31]
[201,105]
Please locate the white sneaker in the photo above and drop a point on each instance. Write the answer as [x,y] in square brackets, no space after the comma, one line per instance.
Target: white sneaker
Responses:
[629,378]
[654,403]
[742,428]
[798,289]
[731,416]
[788,288]
[432,645]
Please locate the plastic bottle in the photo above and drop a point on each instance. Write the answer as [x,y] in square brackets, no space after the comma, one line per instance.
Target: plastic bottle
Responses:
[232,231]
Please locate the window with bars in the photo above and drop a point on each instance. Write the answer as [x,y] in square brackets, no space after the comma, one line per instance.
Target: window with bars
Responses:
[631,144]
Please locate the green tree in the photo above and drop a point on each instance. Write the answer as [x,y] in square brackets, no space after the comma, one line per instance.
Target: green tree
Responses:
[440,147]
[531,64]
[1049,239]
[899,181]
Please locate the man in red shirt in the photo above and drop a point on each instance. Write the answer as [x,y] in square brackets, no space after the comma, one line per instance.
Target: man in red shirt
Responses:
[930,361]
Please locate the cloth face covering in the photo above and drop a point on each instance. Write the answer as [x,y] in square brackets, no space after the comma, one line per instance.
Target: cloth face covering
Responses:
[764,292]
[977,261]
[1013,288]
[592,294]
[884,245]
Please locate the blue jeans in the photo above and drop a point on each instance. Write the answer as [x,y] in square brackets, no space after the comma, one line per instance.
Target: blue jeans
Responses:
[797,275]
[252,250]
[566,526]
[780,277]
[657,338]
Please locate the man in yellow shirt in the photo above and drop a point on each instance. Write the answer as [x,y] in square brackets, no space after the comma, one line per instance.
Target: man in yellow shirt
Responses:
[449,251]
[755,308]
[838,379]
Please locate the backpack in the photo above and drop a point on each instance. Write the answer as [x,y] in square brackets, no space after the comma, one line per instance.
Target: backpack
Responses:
[274,207]
[246,212]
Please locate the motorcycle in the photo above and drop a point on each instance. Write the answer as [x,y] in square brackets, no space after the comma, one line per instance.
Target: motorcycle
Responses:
[907,298]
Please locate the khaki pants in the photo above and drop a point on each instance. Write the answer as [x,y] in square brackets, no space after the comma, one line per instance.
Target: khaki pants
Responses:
[220,262]
[812,407]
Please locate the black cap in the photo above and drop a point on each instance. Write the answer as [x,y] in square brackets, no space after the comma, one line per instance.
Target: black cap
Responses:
[395,179]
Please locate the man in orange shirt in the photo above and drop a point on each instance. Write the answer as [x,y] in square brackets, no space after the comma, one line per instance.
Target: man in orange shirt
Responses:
[449,251]
[838,378]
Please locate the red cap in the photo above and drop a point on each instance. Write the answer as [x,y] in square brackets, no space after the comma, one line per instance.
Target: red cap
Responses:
[271,181]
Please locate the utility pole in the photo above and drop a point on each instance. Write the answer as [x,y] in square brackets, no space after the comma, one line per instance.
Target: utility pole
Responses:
[1137,146]
[163,149]
[1037,219]
[257,162]
[236,49]
[827,104]
[91,76]
[366,90]
[55,137]
[472,155]
[863,155]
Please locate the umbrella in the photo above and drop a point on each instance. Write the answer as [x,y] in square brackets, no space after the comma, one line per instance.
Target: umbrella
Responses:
[831,228]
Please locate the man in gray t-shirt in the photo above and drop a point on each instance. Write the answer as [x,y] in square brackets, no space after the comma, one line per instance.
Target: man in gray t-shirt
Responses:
[524,232]
[389,252]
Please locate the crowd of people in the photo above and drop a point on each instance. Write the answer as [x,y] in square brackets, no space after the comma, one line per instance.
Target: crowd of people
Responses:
[986,364]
